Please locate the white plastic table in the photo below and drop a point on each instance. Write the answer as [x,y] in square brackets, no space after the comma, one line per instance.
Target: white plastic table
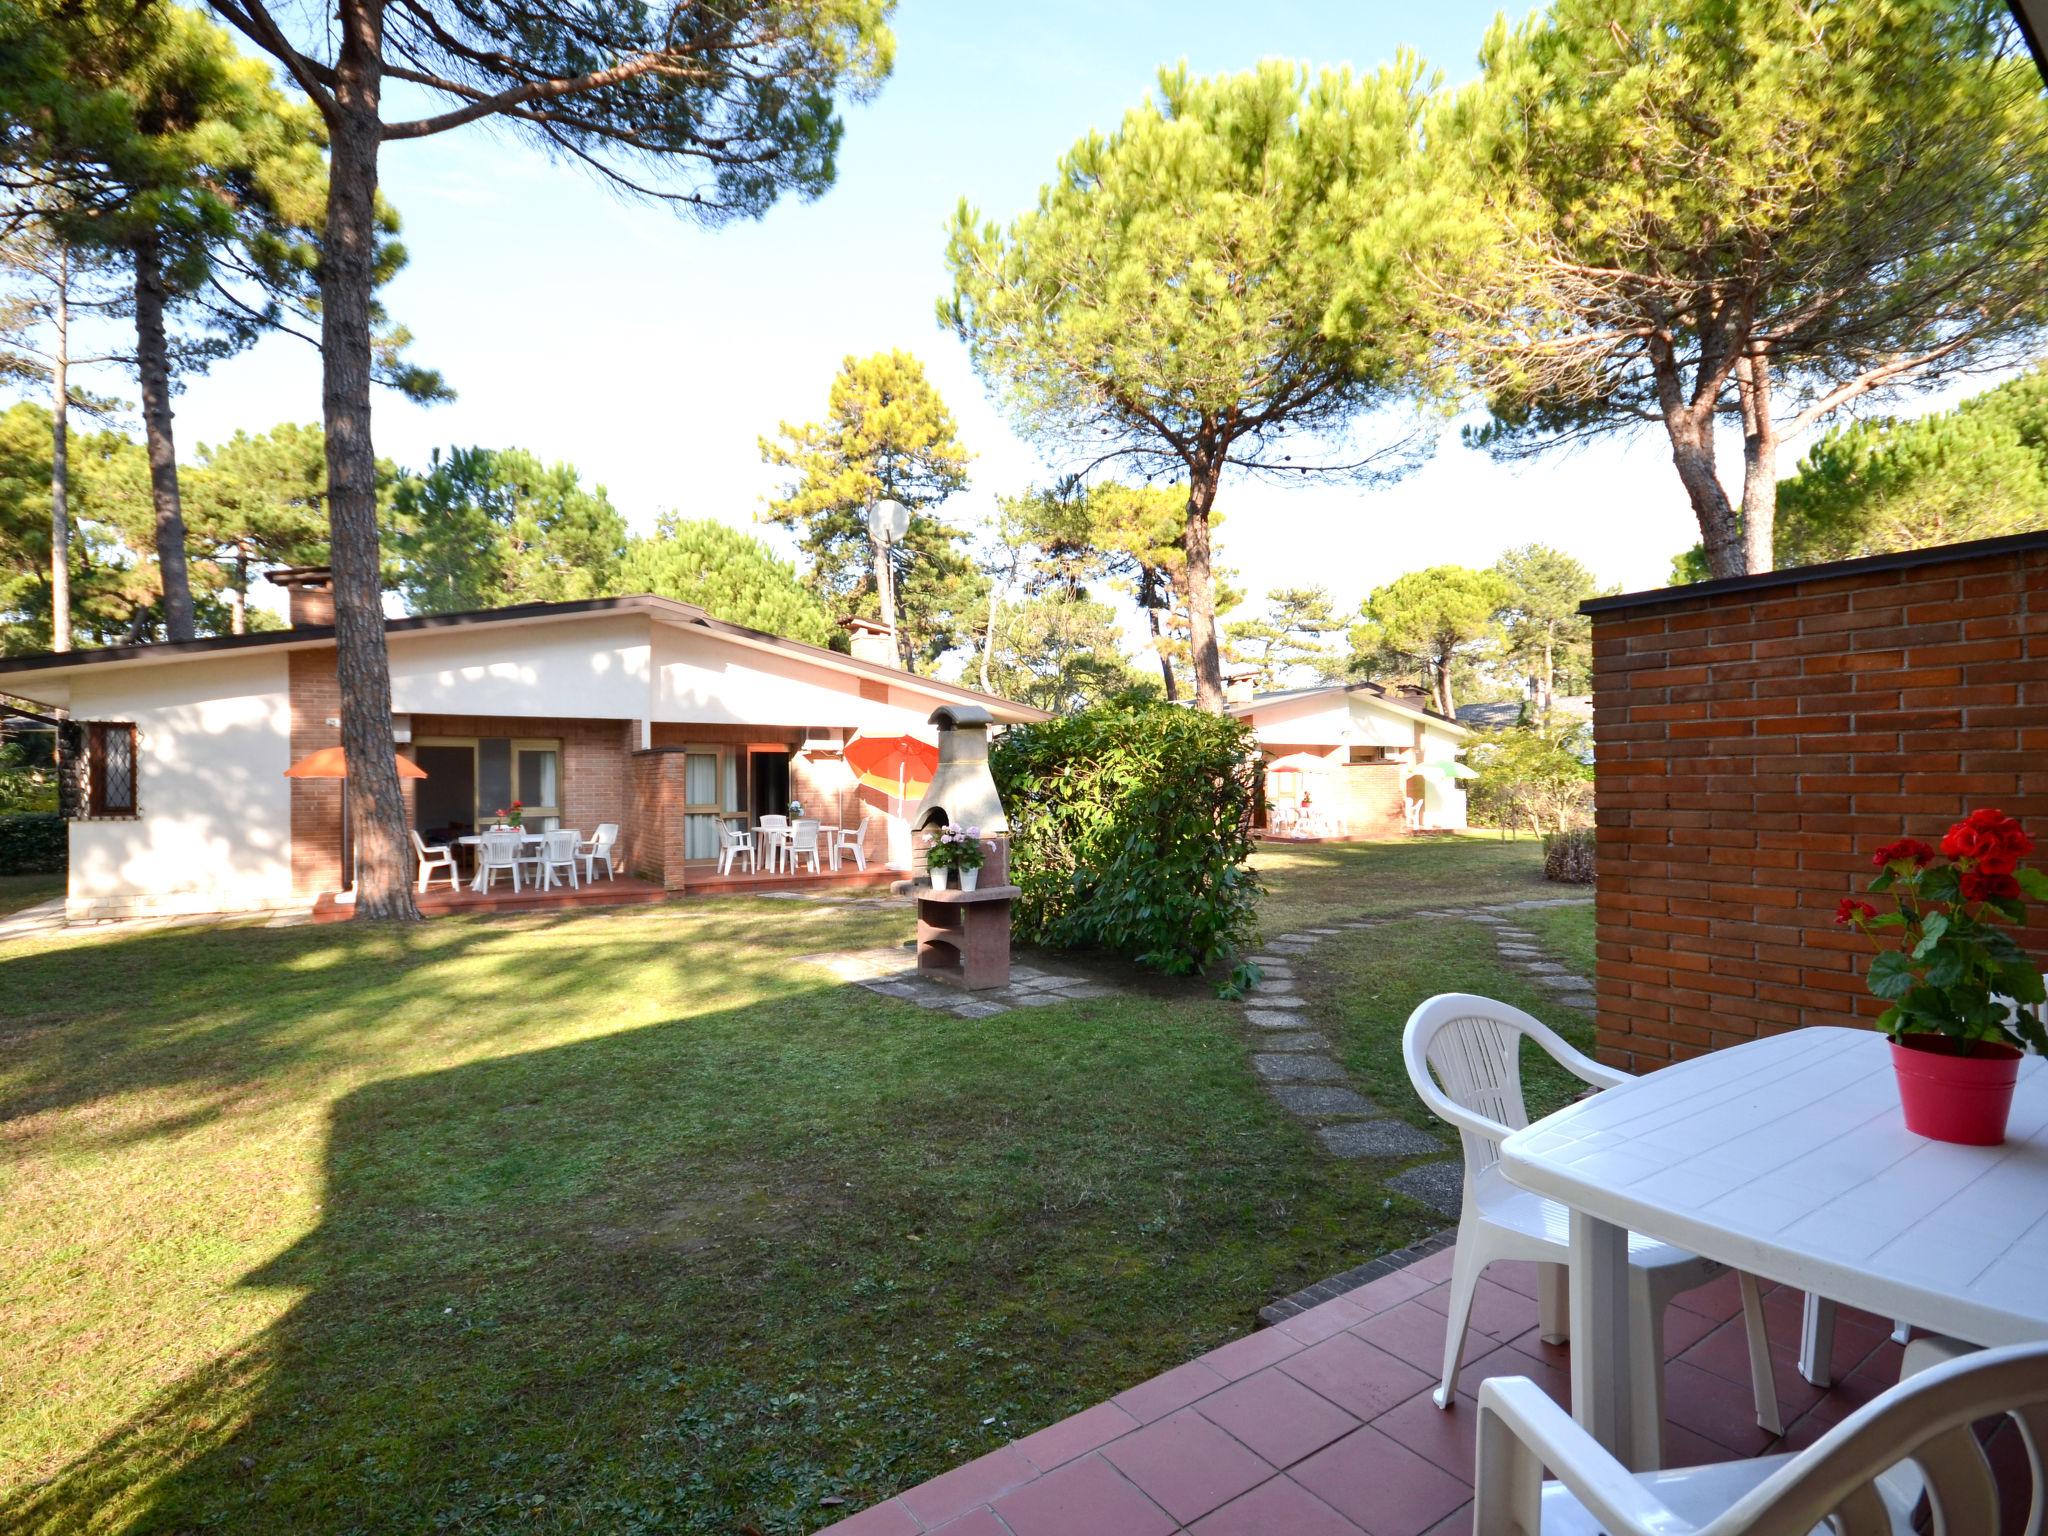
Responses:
[1787,1157]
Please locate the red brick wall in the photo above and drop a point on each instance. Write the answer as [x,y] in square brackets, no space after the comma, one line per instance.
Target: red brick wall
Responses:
[315,698]
[1756,744]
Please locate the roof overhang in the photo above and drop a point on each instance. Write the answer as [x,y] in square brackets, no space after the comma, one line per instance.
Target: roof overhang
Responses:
[2032,16]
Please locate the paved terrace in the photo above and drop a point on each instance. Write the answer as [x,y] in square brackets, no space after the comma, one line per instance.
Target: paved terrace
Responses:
[1323,1425]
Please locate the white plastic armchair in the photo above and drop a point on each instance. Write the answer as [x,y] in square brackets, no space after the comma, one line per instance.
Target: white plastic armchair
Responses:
[556,856]
[853,840]
[734,844]
[802,843]
[598,849]
[1463,1055]
[497,853]
[434,858]
[1862,1478]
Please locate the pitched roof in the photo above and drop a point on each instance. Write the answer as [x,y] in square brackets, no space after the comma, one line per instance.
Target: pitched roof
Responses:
[665,609]
[1374,691]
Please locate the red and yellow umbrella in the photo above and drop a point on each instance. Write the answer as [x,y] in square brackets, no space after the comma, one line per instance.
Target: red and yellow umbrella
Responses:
[896,765]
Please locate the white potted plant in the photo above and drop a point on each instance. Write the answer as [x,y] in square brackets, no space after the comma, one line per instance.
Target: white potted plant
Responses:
[956,848]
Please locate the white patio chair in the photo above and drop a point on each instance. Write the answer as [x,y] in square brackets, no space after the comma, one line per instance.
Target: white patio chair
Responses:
[852,840]
[801,842]
[734,844]
[1864,1477]
[770,832]
[497,853]
[598,846]
[557,852]
[434,858]
[1472,1045]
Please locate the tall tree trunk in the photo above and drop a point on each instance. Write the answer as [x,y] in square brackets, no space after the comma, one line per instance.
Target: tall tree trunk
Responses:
[1759,465]
[153,371]
[1549,694]
[1159,650]
[238,591]
[1440,685]
[988,638]
[376,807]
[1206,658]
[60,460]
[1689,425]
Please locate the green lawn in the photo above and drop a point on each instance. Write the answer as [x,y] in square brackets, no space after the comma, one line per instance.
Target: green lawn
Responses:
[1308,883]
[1567,932]
[626,1221]
[18,891]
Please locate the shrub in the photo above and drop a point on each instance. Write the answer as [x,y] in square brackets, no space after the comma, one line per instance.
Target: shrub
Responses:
[33,843]
[1130,831]
[1568,856]
[1529,779]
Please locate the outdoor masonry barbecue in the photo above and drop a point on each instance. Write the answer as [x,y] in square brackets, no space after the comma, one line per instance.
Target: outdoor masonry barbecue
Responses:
[964,936]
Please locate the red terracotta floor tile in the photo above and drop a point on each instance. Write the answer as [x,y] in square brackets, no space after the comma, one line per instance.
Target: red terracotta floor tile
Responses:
[1435,1268]
[1725,1352]
[1156,1398]
[1516,1274]
[1186,1465]
[1277,1416]
[1057,1444]
[1278,1507]
[1559,1355]
[1457,1523]
[1496,1310]
[888,1518]
[976,1482]
[1721,1299]
[1389,1290]
[1355,1375]
[1253,1352]
[1509,1361]
[1410,1331]
[976,1522]
[1713,1406]
[1449,1438]
[1382,1485]
[1319,1323]
[1086,1497]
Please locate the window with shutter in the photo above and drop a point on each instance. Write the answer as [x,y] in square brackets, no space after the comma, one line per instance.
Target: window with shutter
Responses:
[110,754]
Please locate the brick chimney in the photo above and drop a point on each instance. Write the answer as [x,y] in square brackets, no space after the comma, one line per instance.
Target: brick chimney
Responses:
[1240,687]
[310,591]
[872,641]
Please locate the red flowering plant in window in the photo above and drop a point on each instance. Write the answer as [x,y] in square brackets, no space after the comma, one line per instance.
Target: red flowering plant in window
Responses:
[1945,967]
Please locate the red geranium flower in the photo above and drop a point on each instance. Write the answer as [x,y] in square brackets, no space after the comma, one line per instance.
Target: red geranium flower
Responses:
[1992,840]
[1988,885]
[1853,911]
[1905,848]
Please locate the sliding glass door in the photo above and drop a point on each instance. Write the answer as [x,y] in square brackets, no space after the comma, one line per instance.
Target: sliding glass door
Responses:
[474,778]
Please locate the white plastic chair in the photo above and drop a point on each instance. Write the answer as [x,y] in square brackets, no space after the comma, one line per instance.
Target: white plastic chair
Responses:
[497,853]
[1472,1046]
[802,843]
[435,858]
[1864,1477]
[557,851]
[598,846]
[852,840]
[734,844]
[770,833]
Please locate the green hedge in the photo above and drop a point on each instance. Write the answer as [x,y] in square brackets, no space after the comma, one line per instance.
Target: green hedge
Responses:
[33,843]
[1130,831]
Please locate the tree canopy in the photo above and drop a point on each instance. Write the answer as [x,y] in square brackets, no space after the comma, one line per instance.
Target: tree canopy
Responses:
[1745,210]
[730,574]
[1227,272]
[1542,631]
[1429,620]
[489,527]
[886,435]
[257,500]
[1291,643]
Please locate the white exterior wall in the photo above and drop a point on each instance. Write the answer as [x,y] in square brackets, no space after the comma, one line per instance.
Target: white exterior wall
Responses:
[1338,720]
[213,829]
[702,679]
[593,668]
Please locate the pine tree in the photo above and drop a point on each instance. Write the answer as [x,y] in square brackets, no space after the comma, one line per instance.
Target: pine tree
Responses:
[729,574]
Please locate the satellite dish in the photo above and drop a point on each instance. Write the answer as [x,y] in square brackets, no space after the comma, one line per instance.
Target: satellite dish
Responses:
[888,521]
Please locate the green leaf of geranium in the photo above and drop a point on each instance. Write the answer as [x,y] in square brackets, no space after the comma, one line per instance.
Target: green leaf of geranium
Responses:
[1885,881]
[1939,883]
[1930,934]
[1891,975]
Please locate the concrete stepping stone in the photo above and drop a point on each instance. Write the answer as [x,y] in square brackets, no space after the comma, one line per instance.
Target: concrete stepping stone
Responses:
[1282,1068]
[1296,1040]
[1324,933]
[1539,968]
[1285,950]
[1377,1138]
[1264,999]
[1563,983]
[1483,917]
[1314,1099]
[979,1010]
[1277,984]
[1272,1018]
[1440,1186]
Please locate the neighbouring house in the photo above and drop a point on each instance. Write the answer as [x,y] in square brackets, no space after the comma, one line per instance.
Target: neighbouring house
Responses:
[1354,760]
[1566,711]
[636,710]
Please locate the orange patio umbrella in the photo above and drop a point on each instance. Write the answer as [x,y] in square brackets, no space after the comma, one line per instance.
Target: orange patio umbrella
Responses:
[329,763]
[896,765]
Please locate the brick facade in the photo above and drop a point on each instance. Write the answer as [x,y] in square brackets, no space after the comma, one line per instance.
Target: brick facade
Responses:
[315,699]
[1758,738]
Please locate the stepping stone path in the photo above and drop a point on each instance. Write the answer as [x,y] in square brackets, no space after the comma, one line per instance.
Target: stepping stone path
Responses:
[1300,1072]
[892,972]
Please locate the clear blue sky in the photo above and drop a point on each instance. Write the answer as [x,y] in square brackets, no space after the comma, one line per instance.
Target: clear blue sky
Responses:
[652,353]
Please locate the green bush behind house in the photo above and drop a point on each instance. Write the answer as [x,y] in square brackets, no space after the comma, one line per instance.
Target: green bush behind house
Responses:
[32,843]
[1130,831]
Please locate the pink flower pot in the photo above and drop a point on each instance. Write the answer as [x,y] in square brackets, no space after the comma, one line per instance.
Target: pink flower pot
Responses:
[1955,1090]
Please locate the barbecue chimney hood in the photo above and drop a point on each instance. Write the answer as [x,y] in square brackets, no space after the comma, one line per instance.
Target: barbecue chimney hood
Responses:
[962,792]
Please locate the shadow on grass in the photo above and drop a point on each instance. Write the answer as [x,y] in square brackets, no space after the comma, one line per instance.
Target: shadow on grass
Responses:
[707,1274]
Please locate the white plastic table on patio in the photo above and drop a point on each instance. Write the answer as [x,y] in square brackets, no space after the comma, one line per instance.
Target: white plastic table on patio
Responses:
[1787,1157]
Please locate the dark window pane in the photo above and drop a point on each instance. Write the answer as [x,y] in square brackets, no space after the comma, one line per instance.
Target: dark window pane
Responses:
[494,774]
[537,777]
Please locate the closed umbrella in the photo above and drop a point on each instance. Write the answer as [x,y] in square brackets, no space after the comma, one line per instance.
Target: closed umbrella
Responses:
[330,763]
